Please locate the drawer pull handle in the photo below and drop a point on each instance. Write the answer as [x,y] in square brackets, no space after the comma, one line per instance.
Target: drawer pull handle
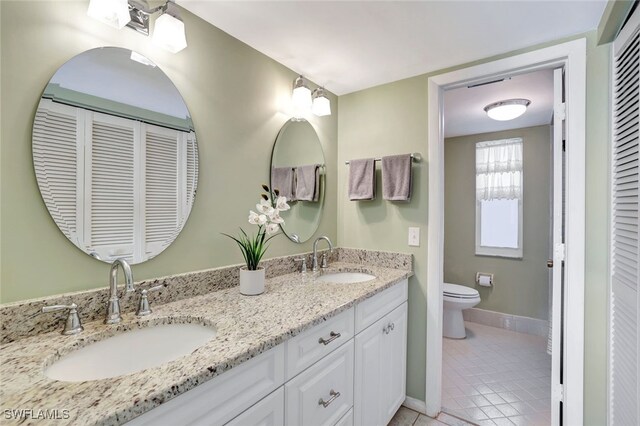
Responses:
[388,328]
[333,394]
[332,336]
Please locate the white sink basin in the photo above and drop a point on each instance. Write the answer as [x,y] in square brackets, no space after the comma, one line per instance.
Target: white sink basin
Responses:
[346,277]
[129,352]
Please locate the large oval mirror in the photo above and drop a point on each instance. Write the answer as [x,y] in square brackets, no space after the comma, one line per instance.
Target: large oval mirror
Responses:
[298,172]
[115,155]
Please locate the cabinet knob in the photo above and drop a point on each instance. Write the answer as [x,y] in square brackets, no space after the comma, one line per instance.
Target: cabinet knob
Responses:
[332,397]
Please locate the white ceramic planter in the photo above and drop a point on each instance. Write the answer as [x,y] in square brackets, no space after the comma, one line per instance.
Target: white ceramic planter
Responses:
[251,282]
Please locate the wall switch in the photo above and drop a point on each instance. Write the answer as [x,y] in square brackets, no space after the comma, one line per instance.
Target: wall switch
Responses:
[414,237]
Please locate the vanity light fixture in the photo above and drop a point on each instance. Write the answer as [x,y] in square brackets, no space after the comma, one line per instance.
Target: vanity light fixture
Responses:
[508,109]
[321,105]
[168,33]
[301,95]
[114,13]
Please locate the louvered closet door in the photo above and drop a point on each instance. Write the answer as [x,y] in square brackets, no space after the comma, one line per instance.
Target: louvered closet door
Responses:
[56,150]
[110,186]
[624,391]
[165,186]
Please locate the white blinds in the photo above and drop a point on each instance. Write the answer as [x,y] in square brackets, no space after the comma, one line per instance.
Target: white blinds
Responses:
[624,298]
[499,170]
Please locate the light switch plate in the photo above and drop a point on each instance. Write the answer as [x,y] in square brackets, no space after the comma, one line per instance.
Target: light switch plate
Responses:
[414,236]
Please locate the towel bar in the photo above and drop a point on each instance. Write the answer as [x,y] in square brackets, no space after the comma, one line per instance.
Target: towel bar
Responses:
[416,157]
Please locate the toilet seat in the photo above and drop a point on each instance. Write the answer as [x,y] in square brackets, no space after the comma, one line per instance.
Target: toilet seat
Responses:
[459,291]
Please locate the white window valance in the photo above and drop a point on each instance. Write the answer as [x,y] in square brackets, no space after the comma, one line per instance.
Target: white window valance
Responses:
[499,170]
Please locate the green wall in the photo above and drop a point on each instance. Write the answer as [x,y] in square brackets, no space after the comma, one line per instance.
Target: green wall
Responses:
[392,119]
[521,286]
[238,99]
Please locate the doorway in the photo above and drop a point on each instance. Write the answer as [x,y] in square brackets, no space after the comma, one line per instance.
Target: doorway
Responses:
[567,382]
[498,174]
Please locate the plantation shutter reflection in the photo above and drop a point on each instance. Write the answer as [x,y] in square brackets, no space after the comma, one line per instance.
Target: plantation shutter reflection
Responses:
[161,186]
[111,191]
[116,187]
[55,146]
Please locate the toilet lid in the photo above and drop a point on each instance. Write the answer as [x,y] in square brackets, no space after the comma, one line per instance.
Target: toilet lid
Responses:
[460,291]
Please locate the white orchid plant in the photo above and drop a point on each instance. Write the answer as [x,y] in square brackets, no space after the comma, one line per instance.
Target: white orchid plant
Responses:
[268,220]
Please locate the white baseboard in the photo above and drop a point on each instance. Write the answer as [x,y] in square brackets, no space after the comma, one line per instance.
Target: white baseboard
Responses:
[415,405]
[517,323]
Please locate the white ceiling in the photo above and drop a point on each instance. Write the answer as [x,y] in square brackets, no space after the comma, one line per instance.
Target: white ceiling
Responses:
[352,45]
[464,107]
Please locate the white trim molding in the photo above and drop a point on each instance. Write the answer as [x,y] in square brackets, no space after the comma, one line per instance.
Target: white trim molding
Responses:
[415,405]
[572,57]
[517,323]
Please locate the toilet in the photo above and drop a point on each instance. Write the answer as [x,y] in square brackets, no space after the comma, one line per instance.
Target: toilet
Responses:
[456,298]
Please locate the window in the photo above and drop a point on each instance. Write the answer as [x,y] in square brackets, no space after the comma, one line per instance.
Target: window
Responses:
[499,198]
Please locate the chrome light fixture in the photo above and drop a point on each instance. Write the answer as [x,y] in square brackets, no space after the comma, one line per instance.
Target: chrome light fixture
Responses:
[114,13]
[508,109]
[169,32]
[321,105]
[301,95]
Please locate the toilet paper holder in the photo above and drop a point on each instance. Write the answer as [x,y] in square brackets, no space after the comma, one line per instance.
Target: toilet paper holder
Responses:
[484,279]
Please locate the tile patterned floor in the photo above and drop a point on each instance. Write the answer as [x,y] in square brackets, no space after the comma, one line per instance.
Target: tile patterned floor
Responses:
[407,417]
[497,377]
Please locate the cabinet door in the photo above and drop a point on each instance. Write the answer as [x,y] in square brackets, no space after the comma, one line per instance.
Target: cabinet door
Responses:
[268,412]
[394,368]
[368,380]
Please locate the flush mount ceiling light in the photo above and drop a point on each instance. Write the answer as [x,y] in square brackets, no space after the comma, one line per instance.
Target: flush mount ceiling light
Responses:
[507,110]
[321,105]
[169,32]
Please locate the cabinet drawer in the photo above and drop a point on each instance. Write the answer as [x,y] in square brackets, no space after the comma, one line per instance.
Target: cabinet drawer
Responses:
[268,412]
[308,347]
[222,398]
[329,381]
[374,308]
[346,420]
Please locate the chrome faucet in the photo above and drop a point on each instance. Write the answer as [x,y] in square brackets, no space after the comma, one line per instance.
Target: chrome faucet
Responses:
[113,306]
[315,253]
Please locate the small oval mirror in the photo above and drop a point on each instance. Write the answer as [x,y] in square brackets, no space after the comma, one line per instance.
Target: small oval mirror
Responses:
[298,172]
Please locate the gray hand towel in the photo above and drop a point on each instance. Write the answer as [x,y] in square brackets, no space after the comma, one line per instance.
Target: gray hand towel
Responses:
[362,179]
[396,177]
[282,180]
[307,182]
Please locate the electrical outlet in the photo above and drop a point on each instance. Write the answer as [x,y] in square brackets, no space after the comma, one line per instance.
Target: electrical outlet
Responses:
[414,237]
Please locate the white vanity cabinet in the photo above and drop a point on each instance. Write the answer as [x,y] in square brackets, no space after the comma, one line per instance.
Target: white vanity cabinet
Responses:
[347,370]
[380,373]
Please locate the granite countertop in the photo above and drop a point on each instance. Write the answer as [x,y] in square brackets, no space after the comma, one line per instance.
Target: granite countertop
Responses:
[246,326]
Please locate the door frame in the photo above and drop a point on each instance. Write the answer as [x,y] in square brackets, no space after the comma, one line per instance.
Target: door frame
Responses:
[572,56]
